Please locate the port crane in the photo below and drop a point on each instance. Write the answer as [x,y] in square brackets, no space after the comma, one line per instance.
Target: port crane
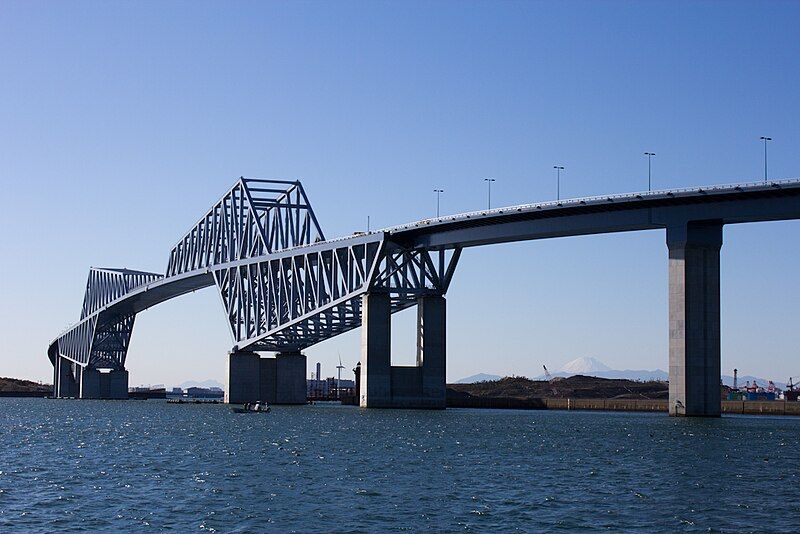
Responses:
[549,378]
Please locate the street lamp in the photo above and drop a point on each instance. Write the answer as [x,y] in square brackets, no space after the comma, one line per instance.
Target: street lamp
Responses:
[489,181]
[765,139]
[649,155]
[438,194]
[558,169]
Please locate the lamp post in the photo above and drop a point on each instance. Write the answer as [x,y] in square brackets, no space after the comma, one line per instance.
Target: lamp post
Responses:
[438,194]
[489,181]
[558,169]
[765,139]
[649,155]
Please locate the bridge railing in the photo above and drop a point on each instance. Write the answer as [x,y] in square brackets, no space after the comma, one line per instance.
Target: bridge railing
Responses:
[594,200]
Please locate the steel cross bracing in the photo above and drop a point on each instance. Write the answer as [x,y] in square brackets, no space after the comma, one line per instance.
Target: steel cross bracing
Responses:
[103,345]
[283,286]
[296,299]
[254,218]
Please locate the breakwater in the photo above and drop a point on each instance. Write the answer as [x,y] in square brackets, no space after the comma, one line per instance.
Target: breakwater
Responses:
[625,405]
[23,394]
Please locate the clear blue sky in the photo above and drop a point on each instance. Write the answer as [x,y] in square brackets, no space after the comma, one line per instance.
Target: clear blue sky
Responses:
[122,122]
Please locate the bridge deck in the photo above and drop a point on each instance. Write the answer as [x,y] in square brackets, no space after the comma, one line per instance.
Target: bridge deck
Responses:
[726,204]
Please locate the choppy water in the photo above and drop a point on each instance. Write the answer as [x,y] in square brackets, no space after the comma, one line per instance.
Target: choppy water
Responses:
[102,465]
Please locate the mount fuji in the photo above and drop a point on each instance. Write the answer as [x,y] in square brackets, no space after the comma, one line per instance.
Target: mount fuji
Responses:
[589,366]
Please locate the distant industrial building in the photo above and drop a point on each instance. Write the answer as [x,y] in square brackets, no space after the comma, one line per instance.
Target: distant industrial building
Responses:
[318,388]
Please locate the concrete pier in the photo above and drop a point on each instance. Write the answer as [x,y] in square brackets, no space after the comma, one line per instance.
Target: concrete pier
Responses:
[383,385]
[114,384]
[279,380]
[64,383]
[290,378]
[268,380]
[376,336]
[694,319]
[242,382]
[431,350]
[72,380]
[88,383]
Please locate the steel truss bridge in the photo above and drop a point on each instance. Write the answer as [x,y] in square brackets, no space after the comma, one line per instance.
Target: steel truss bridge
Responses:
[286,287]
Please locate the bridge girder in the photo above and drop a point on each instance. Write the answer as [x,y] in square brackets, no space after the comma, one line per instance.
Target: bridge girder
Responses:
[295,299]
[283,287]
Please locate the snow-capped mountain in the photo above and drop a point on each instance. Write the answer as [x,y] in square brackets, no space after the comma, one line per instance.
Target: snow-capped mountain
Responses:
[590,366]
[585,365]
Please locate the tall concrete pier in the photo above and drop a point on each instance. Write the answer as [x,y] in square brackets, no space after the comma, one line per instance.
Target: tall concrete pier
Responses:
[694,319]
[376,349]
[64,383]
[243,380]
[383,385]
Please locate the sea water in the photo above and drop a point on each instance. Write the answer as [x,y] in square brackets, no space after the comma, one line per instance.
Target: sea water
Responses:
[122,465]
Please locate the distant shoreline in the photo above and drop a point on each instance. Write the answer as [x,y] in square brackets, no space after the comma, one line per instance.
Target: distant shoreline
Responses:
[15,387]
[778,407]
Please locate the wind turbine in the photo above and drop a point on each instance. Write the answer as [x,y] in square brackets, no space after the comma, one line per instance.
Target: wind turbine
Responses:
[339,379]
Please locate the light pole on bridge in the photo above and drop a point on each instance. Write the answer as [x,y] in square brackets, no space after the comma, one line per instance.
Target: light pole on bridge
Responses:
[649,182]
[558,169]
[765,139]
[489,181]
[438,194]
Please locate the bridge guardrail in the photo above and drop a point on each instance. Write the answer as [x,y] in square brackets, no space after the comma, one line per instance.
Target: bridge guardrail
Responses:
[592,200]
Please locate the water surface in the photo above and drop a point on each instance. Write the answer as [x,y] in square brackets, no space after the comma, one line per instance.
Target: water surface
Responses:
[102,465]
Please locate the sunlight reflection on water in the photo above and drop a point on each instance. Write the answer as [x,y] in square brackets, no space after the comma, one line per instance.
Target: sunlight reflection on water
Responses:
[101,465]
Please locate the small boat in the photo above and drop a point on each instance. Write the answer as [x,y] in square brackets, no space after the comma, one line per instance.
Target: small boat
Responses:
[252,408]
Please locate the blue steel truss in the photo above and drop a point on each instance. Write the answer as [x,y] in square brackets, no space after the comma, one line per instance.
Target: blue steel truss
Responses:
[103,345]
[283,286]
[254,218]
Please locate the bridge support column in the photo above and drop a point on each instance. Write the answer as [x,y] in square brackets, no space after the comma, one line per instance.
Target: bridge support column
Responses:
[117,384]
[431,350]
[268,380]
[290,378]
[279,380]
[64,384]
[376,328]
[694,319]
[89,383]
[383,385]
[243,378]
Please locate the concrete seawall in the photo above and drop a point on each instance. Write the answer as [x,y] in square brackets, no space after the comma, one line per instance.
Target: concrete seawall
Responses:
[623,405]
[24,394]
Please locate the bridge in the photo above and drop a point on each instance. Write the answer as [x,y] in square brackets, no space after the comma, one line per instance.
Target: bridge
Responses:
[285,287]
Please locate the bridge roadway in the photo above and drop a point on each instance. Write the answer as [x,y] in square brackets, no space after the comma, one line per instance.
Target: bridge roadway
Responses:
[391,269]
